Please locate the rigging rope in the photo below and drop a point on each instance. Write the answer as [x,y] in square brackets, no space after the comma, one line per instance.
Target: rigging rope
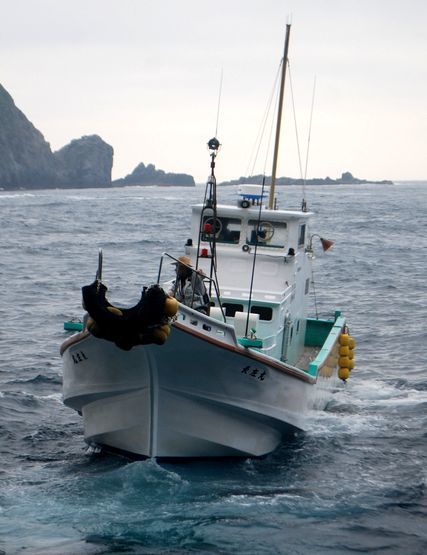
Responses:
[267,152]
[314,293]
[219,102]
[296,133]
[309,128]
[259,137]
[254,258]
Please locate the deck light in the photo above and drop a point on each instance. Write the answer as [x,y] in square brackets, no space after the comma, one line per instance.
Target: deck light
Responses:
[326,243]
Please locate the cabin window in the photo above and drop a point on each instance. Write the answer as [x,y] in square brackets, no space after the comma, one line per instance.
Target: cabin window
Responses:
[265,312]
[270,234]
[301,235]
[232,308]
[225,230]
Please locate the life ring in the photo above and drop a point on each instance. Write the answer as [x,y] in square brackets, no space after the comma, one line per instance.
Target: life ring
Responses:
[215,226]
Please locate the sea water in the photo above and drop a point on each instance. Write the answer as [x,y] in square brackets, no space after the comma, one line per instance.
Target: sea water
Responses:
[354,483]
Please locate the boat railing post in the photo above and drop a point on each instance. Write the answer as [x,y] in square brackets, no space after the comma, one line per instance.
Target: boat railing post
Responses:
[160,268]
[98,277]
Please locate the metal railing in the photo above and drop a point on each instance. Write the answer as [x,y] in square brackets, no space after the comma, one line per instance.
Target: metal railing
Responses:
[205,278]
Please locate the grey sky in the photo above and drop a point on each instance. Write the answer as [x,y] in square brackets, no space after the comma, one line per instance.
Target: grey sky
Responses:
[144,75]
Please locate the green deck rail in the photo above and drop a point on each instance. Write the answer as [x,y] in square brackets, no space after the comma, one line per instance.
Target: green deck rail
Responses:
[320,332]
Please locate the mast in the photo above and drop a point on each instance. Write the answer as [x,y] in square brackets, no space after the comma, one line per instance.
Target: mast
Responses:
[279,118]
[209,229]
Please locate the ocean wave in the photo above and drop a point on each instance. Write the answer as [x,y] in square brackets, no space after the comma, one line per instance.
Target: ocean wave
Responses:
[346,484]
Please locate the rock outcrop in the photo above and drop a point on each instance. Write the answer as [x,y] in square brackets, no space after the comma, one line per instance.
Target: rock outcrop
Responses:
[86,162]
[148,175]
[27,161]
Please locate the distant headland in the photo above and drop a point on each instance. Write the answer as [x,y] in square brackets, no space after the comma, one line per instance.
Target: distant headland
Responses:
[345,179]
[27,161]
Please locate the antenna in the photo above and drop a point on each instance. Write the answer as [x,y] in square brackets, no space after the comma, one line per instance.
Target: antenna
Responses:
[309,129]
[219,102]
[304,182]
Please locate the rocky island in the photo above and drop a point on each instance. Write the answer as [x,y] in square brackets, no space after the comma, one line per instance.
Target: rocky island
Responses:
[27,161]
[148,175]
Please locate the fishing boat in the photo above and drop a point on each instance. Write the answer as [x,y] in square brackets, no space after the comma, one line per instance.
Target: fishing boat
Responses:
[165,380]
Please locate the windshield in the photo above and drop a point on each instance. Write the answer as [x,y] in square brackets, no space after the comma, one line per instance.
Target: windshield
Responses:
[270,234]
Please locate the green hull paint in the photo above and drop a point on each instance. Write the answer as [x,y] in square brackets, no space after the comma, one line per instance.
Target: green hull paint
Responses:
[73,326]
[253,343]
[336,328]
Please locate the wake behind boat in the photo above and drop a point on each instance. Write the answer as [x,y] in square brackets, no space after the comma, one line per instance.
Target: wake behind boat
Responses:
[229,376]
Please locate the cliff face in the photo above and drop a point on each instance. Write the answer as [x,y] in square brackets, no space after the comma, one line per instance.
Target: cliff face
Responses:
[86,162]
[148,175]
[26,159]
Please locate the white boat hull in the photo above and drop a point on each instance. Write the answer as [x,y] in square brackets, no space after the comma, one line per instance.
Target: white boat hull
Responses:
[194,396]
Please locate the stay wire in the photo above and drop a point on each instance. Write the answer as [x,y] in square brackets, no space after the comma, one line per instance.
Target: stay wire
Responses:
[314,293]
[219,102]
[254,257]
[309,129]
[261,130]
[270,136]
[296,133]
[275,89]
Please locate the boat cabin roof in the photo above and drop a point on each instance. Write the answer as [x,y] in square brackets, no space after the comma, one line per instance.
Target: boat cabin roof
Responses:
[253,212]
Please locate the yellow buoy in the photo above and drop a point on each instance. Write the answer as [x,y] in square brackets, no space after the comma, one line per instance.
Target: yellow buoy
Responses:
[350,354]
[344,339]
[344,351]
[351,364]
[115,310]
[344,362]
[351,342]
[159,336]
[165,329]
[171,306]
[343,373]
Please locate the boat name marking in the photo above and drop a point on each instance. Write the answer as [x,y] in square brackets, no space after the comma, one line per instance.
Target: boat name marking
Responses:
[79,356]
[254,372]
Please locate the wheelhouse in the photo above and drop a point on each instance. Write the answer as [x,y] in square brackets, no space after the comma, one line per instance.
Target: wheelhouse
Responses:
[260,258]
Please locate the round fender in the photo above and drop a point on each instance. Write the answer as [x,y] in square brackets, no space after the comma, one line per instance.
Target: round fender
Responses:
[171,306]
